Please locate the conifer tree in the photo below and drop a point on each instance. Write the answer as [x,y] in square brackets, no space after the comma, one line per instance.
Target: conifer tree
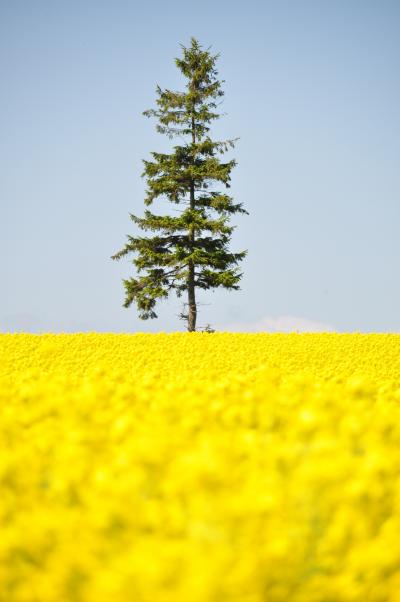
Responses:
[188,251]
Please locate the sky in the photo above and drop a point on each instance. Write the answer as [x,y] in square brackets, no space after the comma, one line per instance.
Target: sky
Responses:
[312,89]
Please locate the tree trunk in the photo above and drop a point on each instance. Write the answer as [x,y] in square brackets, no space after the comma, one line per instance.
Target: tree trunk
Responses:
[192,313]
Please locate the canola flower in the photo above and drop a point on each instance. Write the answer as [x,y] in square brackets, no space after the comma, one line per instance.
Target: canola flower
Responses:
[194,467]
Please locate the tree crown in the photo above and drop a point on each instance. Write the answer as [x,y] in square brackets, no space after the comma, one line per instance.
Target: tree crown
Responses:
[190,250]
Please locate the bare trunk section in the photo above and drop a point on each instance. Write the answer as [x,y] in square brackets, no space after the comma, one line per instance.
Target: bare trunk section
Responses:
[192,307]
[192,313]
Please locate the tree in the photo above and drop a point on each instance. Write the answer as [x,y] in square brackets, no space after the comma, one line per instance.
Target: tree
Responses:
[188,251]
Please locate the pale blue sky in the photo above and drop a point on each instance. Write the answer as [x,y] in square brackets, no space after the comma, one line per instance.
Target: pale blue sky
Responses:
[313,92]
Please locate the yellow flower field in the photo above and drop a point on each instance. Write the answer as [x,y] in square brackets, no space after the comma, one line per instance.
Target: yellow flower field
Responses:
[196,467]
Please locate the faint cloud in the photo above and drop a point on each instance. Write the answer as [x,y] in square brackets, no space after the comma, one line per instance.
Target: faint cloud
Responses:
[21,323]
[280,324]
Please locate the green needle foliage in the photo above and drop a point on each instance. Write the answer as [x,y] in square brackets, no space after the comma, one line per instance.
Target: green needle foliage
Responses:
[187,251]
